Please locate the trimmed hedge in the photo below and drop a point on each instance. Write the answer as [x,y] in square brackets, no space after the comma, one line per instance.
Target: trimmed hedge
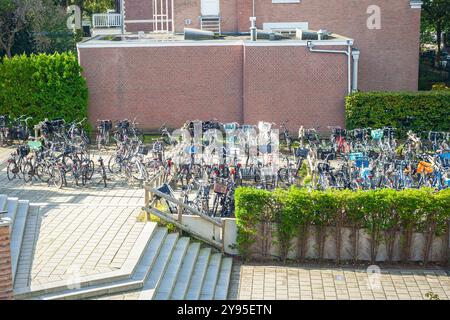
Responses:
[43,86]
[380,212]
[418,112]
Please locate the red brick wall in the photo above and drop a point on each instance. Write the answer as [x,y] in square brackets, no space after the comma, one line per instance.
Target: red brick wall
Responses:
[164,84]
[6,282]
[389,56]
[290,83]
[177,83]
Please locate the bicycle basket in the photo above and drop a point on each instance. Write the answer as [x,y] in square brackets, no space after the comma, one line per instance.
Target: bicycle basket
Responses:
[190,150]
[3,120]
[229,126]
[57,123]
[325,154]
[445,158]
[356,155]
[69,150]
[301,152]
[23,151]
[377,134]
[166,189]
[35,145]
[143,150]
[220,188]
[338,132]
[362,162]
[359,134]
[265,148]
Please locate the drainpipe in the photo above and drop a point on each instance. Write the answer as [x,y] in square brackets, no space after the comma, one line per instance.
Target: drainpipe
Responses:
[253,28]
[122,16]
[347,52]
[355,55]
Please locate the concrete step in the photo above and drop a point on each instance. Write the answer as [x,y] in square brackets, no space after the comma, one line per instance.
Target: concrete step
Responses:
[198,276]
[167,284]
[144,267]
[186,271]
[11,207]
[97,282]
[159,267]
[18,229]
[135,282]
[221,292]
[3,202]
[212,274]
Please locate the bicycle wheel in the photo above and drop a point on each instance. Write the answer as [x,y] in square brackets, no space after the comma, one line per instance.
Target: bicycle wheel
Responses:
[283,176]
[28,172]
[115,164]
[42,173]
[90,168]
[56,177]
[12,171]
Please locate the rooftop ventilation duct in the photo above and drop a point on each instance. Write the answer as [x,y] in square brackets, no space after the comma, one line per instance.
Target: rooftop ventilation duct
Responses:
[269,35]
[197,34]
[312,35]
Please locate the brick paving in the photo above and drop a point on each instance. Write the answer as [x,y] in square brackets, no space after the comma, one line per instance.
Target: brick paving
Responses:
[77,231]
[91,230]
[261,282]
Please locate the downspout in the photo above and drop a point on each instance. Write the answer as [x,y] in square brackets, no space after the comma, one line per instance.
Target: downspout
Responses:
[355,55]
[122,16]
[347,52]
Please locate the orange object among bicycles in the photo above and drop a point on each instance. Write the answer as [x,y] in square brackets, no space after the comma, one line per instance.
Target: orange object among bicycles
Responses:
[424,167]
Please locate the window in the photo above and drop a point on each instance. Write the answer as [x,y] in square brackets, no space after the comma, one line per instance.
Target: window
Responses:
[285,1]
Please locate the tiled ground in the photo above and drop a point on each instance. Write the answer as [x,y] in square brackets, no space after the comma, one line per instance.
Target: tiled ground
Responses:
[77,231]
[77,241]
[310,283]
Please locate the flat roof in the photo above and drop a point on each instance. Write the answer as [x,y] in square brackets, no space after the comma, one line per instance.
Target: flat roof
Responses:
[163,40]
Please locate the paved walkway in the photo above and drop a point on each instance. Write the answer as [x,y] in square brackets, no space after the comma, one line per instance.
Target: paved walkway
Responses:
[77,231]
[258,282]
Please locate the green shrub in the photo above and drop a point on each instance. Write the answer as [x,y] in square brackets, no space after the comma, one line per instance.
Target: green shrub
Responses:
[43,86]
[382,213]
[419,112]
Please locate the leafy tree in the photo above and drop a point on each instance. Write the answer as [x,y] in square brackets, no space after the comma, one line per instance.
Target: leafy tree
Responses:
[15,16]
[436,18]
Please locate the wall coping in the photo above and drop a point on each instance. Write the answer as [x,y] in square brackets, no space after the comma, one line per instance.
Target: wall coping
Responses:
[212,43]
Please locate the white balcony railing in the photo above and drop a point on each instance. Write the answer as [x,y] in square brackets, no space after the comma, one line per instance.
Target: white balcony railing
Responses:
[106,20]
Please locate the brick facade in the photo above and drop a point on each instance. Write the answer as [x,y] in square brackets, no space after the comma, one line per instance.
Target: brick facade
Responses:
[164,84]
[234,82]
[6,282]
[291,83]
[389,56]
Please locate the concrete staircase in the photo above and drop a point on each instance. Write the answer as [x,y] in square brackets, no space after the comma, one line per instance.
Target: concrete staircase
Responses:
[170,267]
[161,266]
[17,211]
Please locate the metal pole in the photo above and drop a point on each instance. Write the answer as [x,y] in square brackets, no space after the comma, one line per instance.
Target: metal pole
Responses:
[173,18]
[122,16]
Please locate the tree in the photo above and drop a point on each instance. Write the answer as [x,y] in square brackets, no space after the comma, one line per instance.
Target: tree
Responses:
[50,31]
[436,17]
[15,16]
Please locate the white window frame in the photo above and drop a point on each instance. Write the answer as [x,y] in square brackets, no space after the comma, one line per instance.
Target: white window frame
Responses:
[286,1]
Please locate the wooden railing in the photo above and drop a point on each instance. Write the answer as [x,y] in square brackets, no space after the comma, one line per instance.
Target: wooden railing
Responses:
[152,194]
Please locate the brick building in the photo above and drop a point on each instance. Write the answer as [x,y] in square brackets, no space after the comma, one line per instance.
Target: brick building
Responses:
[168,79]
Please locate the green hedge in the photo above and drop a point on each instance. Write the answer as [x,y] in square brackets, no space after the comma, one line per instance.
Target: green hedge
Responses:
[43,86]
[429,110]
[380,212]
